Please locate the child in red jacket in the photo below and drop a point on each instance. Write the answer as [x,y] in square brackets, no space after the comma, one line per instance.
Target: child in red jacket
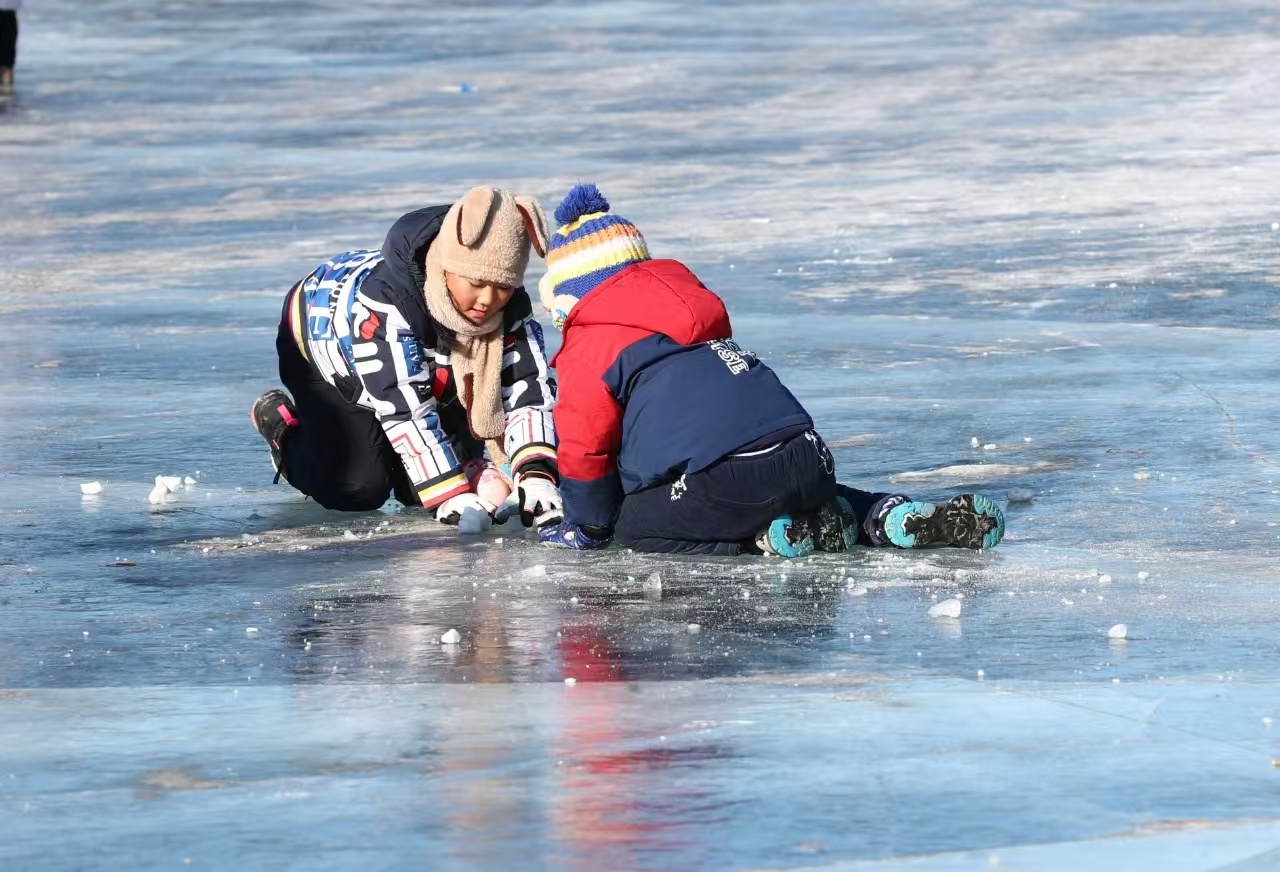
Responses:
[675,439]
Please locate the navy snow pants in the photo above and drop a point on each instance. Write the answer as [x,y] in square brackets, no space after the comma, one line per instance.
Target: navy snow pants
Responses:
[720,509]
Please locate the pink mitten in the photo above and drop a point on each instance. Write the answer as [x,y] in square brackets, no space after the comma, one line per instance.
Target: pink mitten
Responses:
[488,482]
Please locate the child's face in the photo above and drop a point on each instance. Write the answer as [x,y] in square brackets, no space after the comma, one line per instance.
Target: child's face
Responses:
[476,300]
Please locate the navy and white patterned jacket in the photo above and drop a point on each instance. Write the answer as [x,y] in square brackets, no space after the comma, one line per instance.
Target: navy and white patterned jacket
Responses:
[362,321]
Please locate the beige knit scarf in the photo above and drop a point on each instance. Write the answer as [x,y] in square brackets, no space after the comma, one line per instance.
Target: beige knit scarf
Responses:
[476,360]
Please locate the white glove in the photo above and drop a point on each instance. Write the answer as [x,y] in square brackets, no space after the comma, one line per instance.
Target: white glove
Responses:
[452,509]
[540,502]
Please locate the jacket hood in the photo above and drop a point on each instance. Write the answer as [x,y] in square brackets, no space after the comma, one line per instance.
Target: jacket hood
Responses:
[405,248]
[660,296]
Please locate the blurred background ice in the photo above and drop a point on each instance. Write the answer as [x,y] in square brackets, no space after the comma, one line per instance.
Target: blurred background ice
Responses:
[1051,228]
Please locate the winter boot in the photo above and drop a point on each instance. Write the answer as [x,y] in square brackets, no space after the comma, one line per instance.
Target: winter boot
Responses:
[273,415]
[835,527]
[965,521]
[786,537]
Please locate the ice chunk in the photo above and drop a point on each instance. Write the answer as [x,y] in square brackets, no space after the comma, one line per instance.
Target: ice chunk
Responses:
[536,571]
[693,628]
[158,495]
[347,534]
[451,637]
[1143,575]
[188,480]
[171,483]
[571,681]
[1119,631]
[1021,495]
[89,488]
[474,521]
[251,631]
[973,442]
[949,608]
[652,584]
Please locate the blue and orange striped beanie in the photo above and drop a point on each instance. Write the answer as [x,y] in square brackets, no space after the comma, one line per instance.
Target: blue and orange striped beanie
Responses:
[588,248]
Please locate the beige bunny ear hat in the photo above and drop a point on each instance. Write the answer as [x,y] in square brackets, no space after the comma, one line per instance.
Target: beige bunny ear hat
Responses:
[487,234]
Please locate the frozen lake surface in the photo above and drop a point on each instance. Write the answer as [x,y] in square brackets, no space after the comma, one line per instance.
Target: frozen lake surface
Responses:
[1049,227]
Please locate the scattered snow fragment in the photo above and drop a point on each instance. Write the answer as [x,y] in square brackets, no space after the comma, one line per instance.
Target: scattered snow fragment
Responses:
[474,521]
[1104,579]
[571,681]
[694,628]
[990,446]
[1119,631]
[536,571]
[1021,495]
[251,631]
[451,637]
[188,480]
[857,590]
[946,609]
[1142,474]
[981,675]
[1266,722]
[973,442]
[1143,575]
[90,488]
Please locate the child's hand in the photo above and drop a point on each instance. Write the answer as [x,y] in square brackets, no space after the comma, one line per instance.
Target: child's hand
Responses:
[450,511]
[572,536]
[540,502]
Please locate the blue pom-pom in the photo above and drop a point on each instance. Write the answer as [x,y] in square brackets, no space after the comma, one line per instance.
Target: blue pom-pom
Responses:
[582,200]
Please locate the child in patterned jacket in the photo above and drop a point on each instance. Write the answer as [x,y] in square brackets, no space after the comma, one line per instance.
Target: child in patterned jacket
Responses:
[418,369]
[676,439]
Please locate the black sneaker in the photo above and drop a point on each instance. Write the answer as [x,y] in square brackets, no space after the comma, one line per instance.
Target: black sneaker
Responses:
[966,521]
[272,415]
[835,527]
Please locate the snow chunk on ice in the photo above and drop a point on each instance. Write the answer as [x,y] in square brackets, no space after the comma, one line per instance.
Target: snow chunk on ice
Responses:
[474,520]
[89,488]
[1119,631]
[949,608]
[451,637]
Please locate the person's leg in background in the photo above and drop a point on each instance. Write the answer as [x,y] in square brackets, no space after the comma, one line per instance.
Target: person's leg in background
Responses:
[8,48]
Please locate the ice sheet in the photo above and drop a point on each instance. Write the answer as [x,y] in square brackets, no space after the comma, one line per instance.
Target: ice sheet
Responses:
[1051,228]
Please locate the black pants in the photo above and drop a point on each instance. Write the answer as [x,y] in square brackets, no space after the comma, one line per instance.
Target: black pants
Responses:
[721,509]
[340,455]
[8,38]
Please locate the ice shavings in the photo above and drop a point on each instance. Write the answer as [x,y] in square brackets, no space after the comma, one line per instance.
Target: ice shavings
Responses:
[949,608]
